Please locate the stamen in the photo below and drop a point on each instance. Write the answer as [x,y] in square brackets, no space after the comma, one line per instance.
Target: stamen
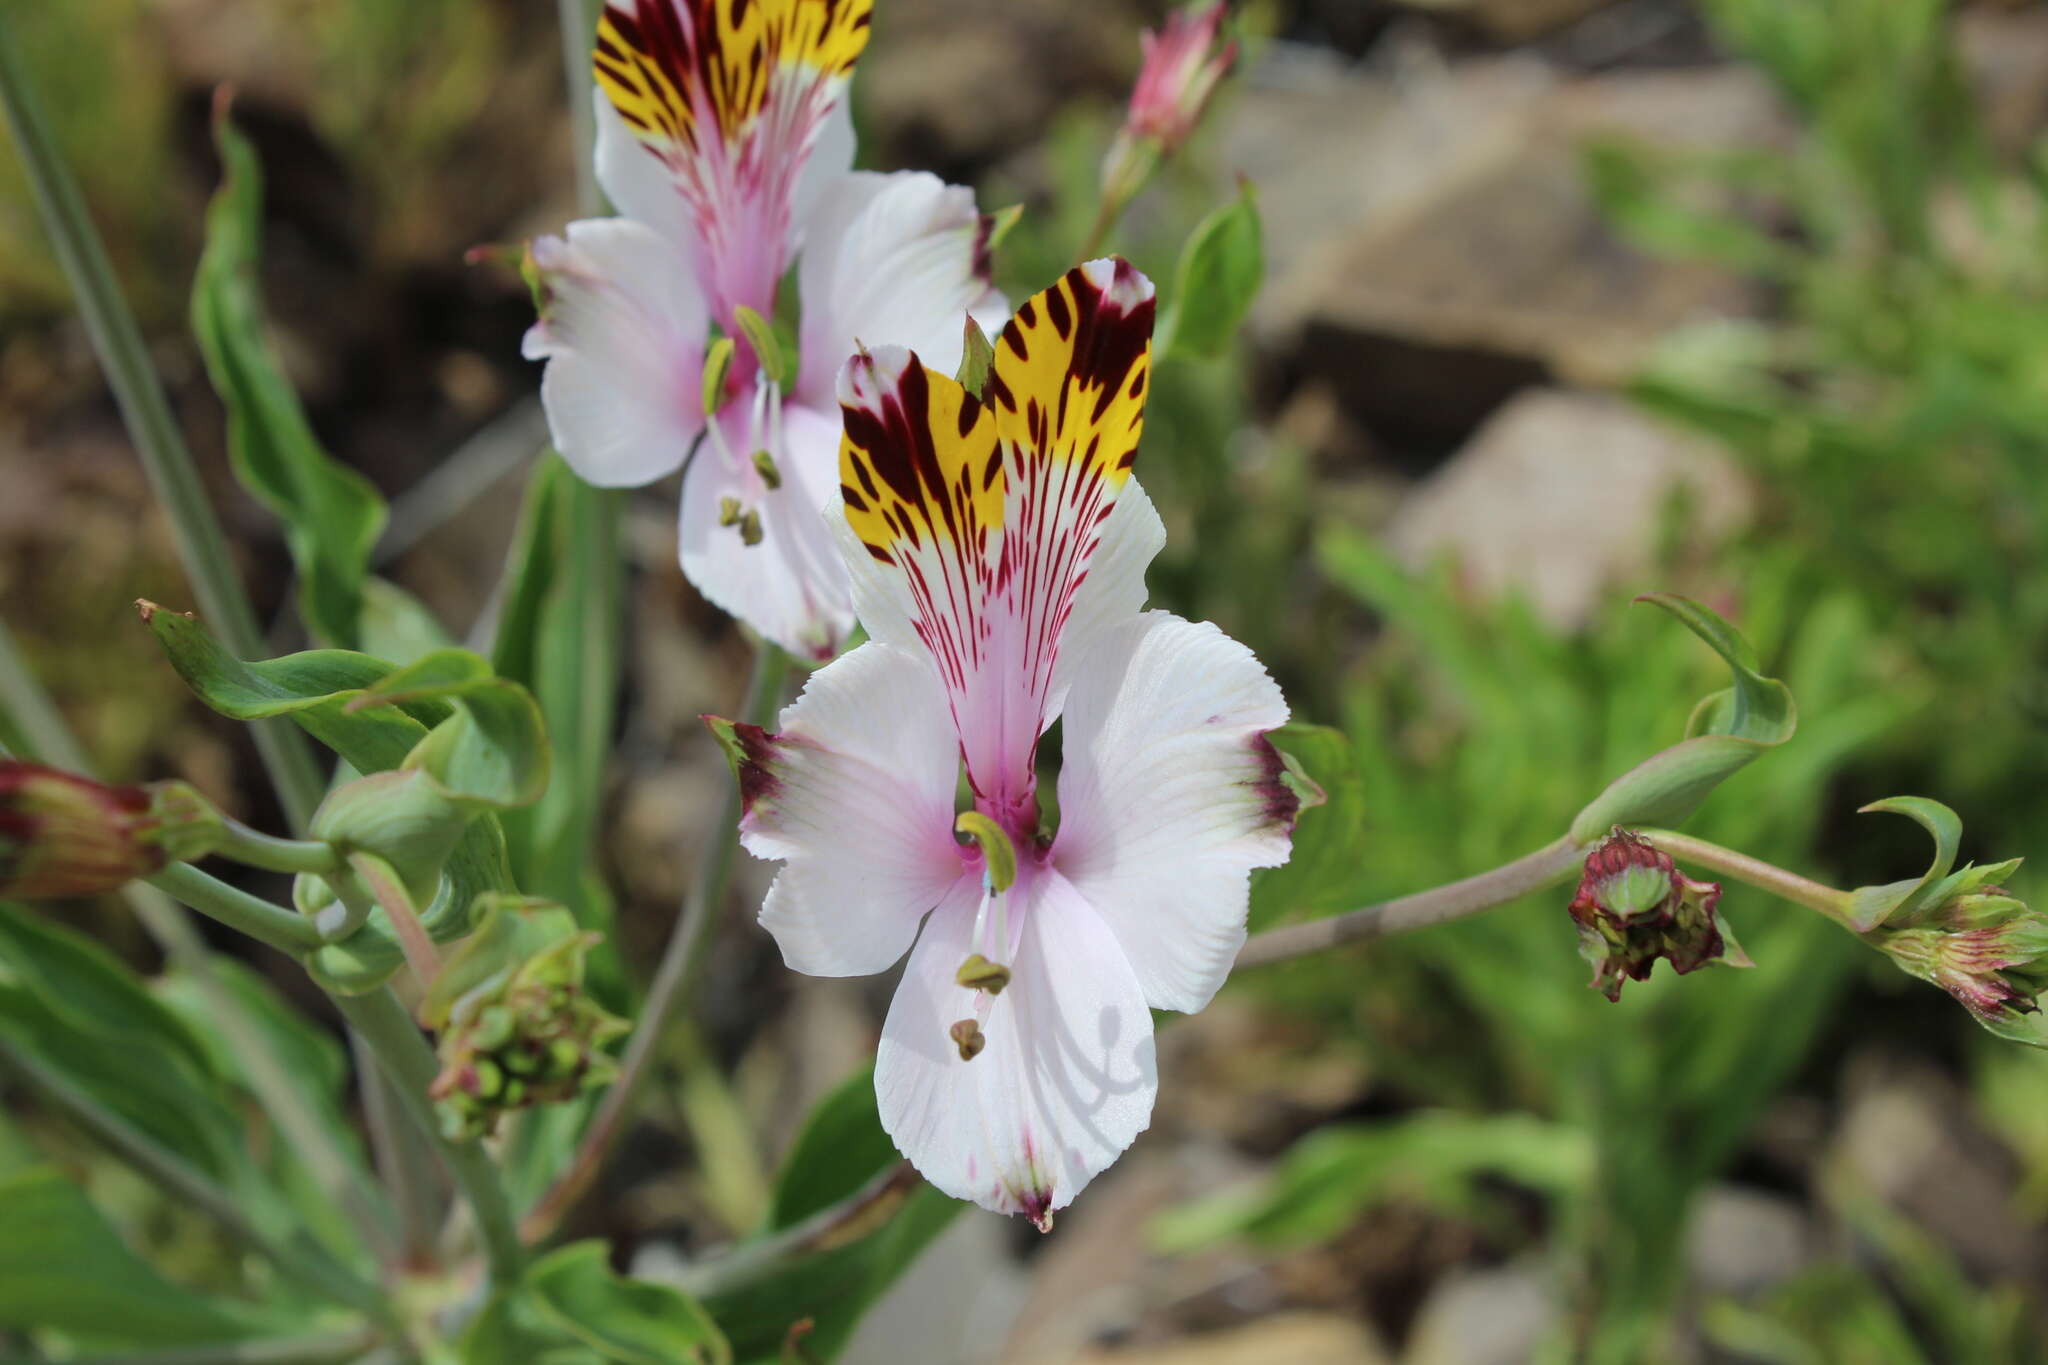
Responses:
[728,511]
[977,973]
[717,360]
[750,527]
[967,1036]
[761,336]
[764,465]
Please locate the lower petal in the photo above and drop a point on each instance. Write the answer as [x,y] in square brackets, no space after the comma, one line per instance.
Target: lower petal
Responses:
[1065,1080]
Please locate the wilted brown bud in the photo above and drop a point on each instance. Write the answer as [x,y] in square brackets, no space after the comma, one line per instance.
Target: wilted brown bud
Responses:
[1634,906]
[66,835]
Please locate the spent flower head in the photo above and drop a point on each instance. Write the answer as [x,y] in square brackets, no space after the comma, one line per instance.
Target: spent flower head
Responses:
[1634,906]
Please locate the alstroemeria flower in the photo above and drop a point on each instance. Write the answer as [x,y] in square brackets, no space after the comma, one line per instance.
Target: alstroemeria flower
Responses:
[724,144]
[998,549]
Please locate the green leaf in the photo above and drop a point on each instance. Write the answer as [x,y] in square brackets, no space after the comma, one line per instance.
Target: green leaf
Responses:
[307,1056]
[315,689]
[1727,731]
[67,1003]
[558,635]
[1220,271]
[629,1321]
[1329,1178]
[63,1267]
[396,625]
[332,516]
[840,1148]
[1326,871]
[493,752]
[1871,906]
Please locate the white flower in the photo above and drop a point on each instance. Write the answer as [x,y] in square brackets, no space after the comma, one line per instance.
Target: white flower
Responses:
[998,551]
[724,143]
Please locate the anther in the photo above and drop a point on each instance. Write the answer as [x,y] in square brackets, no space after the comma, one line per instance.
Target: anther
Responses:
[764,465]
[977,973]
[967,1036]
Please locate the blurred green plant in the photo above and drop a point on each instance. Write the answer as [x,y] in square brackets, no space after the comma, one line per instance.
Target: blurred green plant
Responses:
[1895,415]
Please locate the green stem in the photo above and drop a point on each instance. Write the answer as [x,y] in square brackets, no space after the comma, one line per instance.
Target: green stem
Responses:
[413,939]
[172,474]
[1753,872]
[861,1212]
[389,1032]
[673,979]
[252,915]
[253,848]
[1547,866]
[320,1350]
[304,1262]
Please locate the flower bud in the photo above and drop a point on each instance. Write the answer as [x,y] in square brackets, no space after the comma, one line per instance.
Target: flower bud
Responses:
[1634,906]
[515,1027]
[66,835]
[1984,947]
[404,817]
[1183,66]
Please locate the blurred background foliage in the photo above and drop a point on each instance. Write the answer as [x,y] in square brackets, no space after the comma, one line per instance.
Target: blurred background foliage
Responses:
[1541,310]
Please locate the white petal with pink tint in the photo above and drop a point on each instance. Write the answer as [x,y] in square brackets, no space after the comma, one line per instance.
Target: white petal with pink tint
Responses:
[1066,1080]
[622,332]
[791,587]
[859,800]
[892,260]
[1170,796]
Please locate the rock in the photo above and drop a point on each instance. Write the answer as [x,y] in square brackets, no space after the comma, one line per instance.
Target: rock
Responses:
[959,1298]
[1560,497]
[1437,249]
[1483,1317]
[1742,1241]
[1908,1137]
[1512,21]
[1293,1338]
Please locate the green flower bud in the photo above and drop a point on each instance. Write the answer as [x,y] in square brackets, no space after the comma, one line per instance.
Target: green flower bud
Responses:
[404,817]
[1634,906]
[1984,947]
[510,1009]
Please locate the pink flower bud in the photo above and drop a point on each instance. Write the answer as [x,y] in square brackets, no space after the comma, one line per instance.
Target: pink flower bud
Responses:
[65,835]
[1182,68]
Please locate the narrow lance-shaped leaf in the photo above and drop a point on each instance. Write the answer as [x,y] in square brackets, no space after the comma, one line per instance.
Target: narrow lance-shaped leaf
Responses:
[1727,731]
[332,516]
[63,1267]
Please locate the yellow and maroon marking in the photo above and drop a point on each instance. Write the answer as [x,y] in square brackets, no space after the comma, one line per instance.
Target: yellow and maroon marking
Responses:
[661,61]
[1005,498]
